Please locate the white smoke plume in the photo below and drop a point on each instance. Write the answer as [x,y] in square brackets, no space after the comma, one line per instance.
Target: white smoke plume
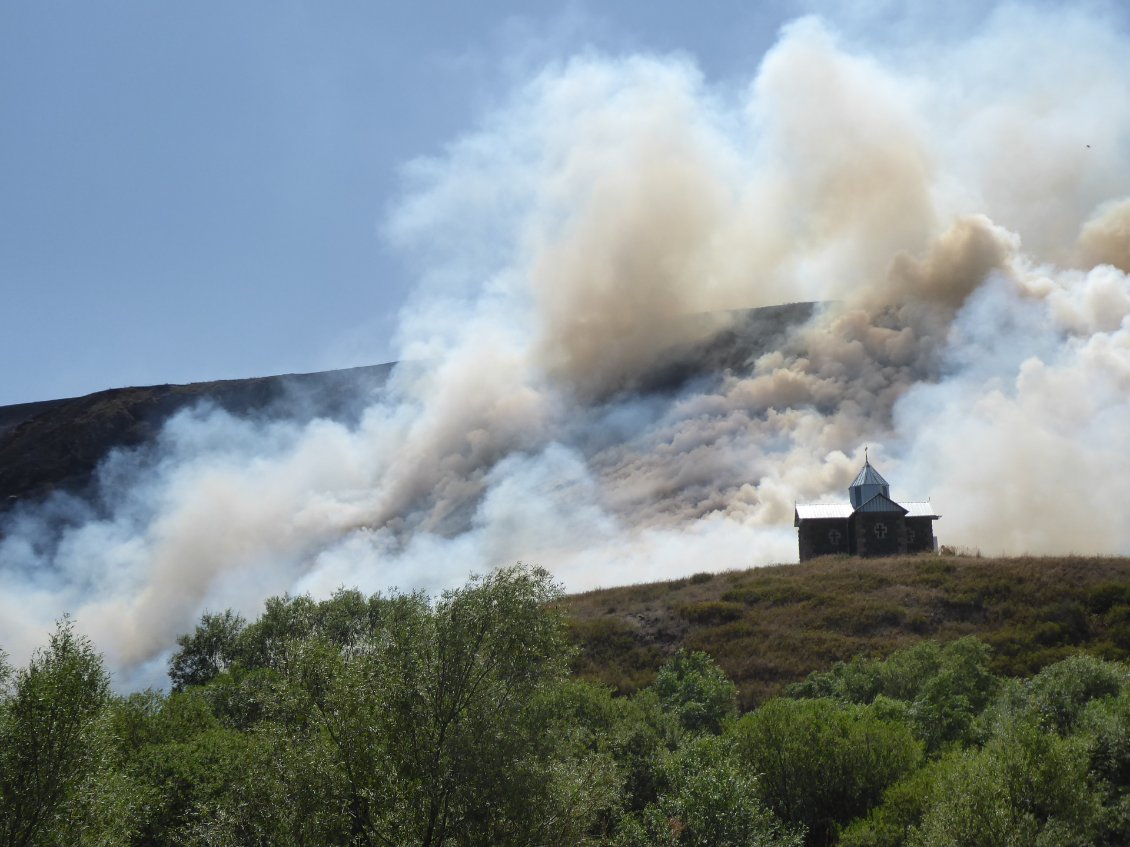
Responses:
[960,206]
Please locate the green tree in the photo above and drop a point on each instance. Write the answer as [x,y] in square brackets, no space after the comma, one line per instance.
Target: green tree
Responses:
[1027,786]
[1059,693]
[209,650]
[946,686]
[1105,726]
[697,692]
[890,823]
[56,777]
[434,723]
[180,755]
[822,762]
[453,681]
[709,799]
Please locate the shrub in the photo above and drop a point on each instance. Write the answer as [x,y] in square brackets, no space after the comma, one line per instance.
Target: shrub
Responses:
[823,762]
[696,691]
[863,617]
[1026,787]
[711,612]
[1059,693]
[946,686]
[1107,595]
[709,799]
[746,595]
[887,824]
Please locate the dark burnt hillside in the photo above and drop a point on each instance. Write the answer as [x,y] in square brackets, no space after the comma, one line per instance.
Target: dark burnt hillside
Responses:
[56,444]
[768,627]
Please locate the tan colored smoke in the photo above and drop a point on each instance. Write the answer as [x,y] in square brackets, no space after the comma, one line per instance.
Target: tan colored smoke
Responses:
[971,255]
[1105,238]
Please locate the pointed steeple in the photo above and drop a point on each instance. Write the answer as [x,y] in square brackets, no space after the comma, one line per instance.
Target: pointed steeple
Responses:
[868,482]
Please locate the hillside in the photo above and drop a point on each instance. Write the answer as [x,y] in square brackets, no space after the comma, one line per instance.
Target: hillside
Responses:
[768,627]
[57,444]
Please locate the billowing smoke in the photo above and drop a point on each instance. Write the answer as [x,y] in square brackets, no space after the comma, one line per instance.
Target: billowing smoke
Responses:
[960,208]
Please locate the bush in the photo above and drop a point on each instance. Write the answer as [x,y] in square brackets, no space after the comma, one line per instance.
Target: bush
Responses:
[887,824]
[1107,595]
[709,799]
[864,617]
[823,762]
[711,612]
[946,687]
[746,595]
[697,692]
[56,782]
[1026,787]
[1059,693]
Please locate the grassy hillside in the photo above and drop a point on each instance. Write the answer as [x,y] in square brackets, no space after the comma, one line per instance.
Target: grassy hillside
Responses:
[771,626]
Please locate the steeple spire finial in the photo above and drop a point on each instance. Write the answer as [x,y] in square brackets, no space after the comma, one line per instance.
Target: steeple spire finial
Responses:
[868,483]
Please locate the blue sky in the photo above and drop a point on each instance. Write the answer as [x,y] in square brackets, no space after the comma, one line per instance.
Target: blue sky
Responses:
[196,191]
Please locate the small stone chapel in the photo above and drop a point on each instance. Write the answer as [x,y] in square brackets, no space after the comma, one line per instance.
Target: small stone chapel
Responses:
[871,524]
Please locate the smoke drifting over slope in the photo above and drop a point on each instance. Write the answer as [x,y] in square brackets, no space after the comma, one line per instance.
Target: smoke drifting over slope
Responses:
[963,210]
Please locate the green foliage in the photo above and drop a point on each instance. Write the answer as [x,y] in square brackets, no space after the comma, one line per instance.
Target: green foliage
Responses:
[636,734]
[190,776]
[402,719]
[890,823]
[1060,692]
[712,612]
[207,651]
[1105,726]
[1025,787]
[224,641]
[946,687]
[347,621]
[823,762]
[709,800]
[1107,723]
[57,784]
[596,743]
[1056,698]
[419,720]
[696,691]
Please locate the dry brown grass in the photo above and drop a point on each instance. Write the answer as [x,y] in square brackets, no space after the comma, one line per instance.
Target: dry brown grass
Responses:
[771,626]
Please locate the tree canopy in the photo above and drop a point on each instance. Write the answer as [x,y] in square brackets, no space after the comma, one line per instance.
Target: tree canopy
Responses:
[402,719]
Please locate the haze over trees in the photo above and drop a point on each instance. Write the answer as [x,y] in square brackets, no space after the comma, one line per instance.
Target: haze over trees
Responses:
[400,719]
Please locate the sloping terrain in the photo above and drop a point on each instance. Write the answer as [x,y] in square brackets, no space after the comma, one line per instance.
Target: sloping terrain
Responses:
[56,444]
[768,627]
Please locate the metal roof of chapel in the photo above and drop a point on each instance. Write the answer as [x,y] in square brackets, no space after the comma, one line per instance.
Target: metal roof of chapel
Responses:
[881,503]
[868,476]
[868,483]
[842,511]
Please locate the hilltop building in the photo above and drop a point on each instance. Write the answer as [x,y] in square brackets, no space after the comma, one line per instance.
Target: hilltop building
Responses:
[871,524]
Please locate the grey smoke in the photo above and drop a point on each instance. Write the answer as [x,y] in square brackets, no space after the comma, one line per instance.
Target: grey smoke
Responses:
[943,202]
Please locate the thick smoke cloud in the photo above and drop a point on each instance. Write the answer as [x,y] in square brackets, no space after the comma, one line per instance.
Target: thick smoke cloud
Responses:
[961,211]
